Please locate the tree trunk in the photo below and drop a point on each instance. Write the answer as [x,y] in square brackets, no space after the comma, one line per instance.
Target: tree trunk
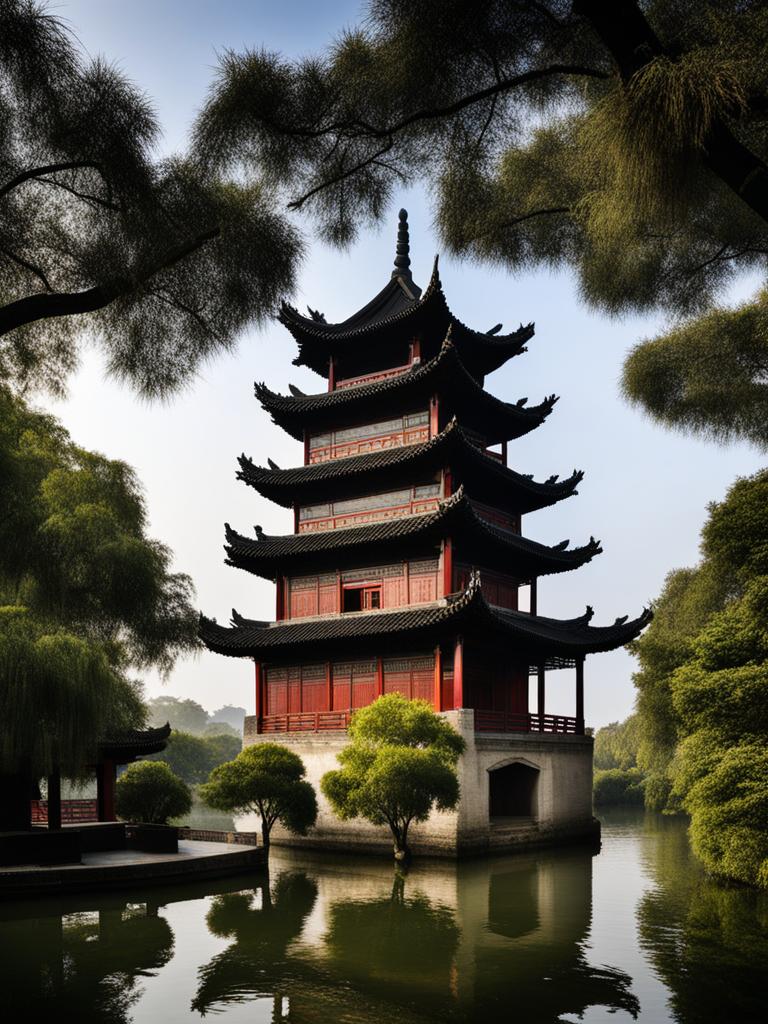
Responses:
[265,830]
[402,851]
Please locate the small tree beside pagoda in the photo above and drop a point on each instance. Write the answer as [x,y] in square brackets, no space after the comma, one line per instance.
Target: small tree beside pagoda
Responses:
[267,780]
[149,792]
[398,768]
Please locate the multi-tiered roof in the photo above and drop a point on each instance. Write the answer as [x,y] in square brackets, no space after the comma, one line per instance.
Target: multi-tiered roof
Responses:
[403,351]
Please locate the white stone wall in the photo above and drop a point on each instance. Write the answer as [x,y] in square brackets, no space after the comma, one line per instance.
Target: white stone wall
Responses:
[564,793]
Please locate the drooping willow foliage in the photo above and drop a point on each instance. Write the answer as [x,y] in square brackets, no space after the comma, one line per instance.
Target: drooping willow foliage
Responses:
[86,597]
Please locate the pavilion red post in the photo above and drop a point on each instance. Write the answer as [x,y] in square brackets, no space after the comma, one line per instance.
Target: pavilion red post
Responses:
[458,673]
[580,695]
[259,695]
[105,790]
[54,799]
[541,695]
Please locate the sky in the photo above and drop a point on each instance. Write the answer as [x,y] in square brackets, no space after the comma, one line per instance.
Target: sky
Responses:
[645,490]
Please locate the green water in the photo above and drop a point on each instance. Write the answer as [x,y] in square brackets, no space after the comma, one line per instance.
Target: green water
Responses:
[636,932]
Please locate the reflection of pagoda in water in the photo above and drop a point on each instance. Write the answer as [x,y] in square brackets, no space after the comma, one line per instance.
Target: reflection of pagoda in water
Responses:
[490,935]
[404,566]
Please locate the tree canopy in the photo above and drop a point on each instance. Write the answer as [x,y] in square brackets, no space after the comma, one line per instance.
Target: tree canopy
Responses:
[193,758]
[626,141]
[703,689]
[148,791]
[159,262]
[87,597]
[183,714]
[400,764]
[265,779]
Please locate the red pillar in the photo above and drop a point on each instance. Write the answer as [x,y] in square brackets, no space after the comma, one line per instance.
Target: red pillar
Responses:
[434,414]
[447,566]
[541,696]
[379,676]
[458,673]
[438,698]
[580,695]
[306,447]
[328,686]
[259,695]
[332,375]
[105,791]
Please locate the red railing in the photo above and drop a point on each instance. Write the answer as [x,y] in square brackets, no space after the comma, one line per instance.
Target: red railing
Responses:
[306,721]
[506,721]
[72,811]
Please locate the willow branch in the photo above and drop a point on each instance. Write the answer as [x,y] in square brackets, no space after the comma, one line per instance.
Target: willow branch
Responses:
[45,305]
[36,172]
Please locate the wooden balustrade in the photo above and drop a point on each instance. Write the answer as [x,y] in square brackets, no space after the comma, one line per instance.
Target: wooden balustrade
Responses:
[306,721]
[72,811]
[507,721]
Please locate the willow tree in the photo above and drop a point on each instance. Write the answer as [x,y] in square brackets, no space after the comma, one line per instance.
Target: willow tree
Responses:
[86,598]
[154,260]
[625,140]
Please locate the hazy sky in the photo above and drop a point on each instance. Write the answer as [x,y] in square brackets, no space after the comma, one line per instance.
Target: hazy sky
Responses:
[645,490]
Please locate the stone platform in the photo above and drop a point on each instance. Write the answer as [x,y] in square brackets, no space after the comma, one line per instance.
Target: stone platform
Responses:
[116,869]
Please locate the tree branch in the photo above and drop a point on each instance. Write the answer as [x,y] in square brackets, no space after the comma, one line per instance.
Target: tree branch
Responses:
[36,172]
[545,211]
[86,197]
[633,44]
[45,305]
[20,261]
[336,179]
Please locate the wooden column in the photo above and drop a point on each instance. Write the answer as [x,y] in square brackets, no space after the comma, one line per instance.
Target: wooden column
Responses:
[534,596]
[447,566]
[580,695]
[332,374]
[458,673]
[54,799]
[329,686]
[438,698]
[306,447]
[541,695]
[105,791]
[259,695]
[434,414]
[280,598]
[379,676]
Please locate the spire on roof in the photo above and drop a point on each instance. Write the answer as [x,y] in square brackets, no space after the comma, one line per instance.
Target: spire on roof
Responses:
[402,259]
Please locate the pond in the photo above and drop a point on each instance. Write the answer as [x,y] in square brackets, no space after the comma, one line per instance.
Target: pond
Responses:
[637,932]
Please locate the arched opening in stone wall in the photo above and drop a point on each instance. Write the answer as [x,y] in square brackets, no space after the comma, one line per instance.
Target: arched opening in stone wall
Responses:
[513,791]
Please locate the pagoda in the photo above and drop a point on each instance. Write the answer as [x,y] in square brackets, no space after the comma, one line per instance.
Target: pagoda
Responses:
[405,563]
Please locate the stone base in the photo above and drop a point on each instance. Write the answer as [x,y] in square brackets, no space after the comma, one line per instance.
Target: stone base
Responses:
[557,769]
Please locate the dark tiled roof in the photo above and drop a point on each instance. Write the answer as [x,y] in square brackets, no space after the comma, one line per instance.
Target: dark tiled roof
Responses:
[492,418]
[481,542]
[485,477]
[531,637]
[134,743]
[384,320]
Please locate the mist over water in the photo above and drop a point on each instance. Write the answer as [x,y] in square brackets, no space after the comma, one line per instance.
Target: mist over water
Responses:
[637,932]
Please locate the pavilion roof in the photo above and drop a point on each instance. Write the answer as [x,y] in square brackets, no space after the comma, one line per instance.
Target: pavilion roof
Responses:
[481,543]
[530,638]
[126,746]
[396,313]
[486,478]
[492,418]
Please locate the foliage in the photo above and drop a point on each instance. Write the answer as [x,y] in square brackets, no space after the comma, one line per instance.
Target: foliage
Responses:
[398,767]
[148,791]
[626,141]
[158,261]
[193,758]
[74,547]
[618,786]
[709,697]
[59,693]
[265,779]
[234,716]
[87,597]
[183,714]
[224,729]
[616,744]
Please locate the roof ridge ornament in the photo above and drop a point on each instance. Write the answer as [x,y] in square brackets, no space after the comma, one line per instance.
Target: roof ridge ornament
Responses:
[402,258]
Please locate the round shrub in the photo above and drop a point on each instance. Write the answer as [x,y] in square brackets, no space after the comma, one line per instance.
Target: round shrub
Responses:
[148,791]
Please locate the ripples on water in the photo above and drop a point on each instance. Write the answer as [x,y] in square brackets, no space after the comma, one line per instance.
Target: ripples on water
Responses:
[637,932]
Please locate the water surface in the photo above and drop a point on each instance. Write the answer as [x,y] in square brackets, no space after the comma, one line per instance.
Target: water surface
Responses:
[637,932]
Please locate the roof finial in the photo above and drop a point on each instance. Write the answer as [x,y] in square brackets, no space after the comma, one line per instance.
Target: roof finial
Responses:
[402,259]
